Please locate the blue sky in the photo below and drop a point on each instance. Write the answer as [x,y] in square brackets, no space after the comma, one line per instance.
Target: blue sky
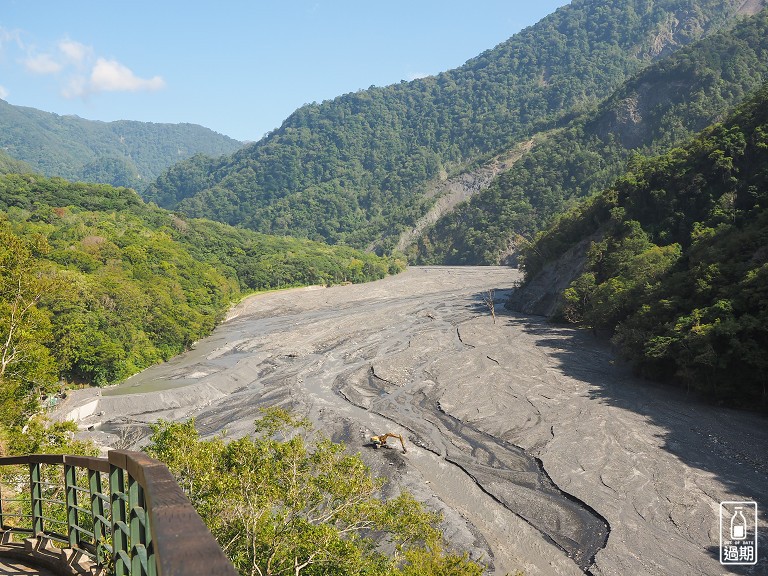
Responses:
[237,67]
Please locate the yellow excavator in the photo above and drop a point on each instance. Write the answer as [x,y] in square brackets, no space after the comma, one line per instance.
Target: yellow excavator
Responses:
[381,440]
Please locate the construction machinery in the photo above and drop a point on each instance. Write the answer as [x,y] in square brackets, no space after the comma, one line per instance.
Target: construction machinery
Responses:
[381,440]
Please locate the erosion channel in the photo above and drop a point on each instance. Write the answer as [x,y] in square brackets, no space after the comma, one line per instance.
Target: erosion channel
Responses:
[537,446]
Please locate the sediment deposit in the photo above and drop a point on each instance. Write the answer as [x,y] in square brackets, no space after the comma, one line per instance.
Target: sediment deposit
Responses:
[541,450]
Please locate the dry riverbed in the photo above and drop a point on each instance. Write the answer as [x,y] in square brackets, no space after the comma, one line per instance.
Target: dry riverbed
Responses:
[541,450]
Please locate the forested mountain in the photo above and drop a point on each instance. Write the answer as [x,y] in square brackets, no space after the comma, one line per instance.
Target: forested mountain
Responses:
[97,285]
[658,107]
[677,266]
[353,169]
[10,165]
[123,153]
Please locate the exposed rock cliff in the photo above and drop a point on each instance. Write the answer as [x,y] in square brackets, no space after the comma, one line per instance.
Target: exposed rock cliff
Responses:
[543,294]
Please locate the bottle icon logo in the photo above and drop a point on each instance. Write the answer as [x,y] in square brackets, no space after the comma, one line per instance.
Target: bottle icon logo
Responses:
[738,525]
[738,533]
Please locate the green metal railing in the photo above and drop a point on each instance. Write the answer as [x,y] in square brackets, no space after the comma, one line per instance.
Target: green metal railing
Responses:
[125,513]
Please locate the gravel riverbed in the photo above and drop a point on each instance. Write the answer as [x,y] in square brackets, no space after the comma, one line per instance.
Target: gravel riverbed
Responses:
[540,448]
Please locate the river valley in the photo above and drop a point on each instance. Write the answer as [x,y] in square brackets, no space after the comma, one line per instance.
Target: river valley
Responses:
[539,447]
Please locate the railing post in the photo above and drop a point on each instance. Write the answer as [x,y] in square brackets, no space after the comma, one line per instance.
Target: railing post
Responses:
[2,520]
[138,518]
[36,490]
[70,485]
[97,512]
[148,541]
[119,527]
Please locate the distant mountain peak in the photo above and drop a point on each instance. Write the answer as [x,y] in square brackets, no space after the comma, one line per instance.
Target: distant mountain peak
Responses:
[121,153]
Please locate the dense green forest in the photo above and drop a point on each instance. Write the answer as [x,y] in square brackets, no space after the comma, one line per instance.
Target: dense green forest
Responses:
[660,106]
[678,271]
[123,153]
[354,169]
[97,285]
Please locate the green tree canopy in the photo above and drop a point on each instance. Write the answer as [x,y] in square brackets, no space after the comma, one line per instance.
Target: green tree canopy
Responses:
[289,501]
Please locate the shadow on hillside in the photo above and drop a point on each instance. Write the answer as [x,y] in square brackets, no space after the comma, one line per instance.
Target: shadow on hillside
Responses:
[731,445]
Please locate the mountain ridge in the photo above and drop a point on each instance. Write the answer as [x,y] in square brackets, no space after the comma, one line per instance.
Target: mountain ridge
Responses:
[657,108]
[121,153]
[355,169]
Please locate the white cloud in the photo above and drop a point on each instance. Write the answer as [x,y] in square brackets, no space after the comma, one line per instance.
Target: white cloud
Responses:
[9,37]
[79,69]
[112,76]
[3,93]
[75,52]
[42,64]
